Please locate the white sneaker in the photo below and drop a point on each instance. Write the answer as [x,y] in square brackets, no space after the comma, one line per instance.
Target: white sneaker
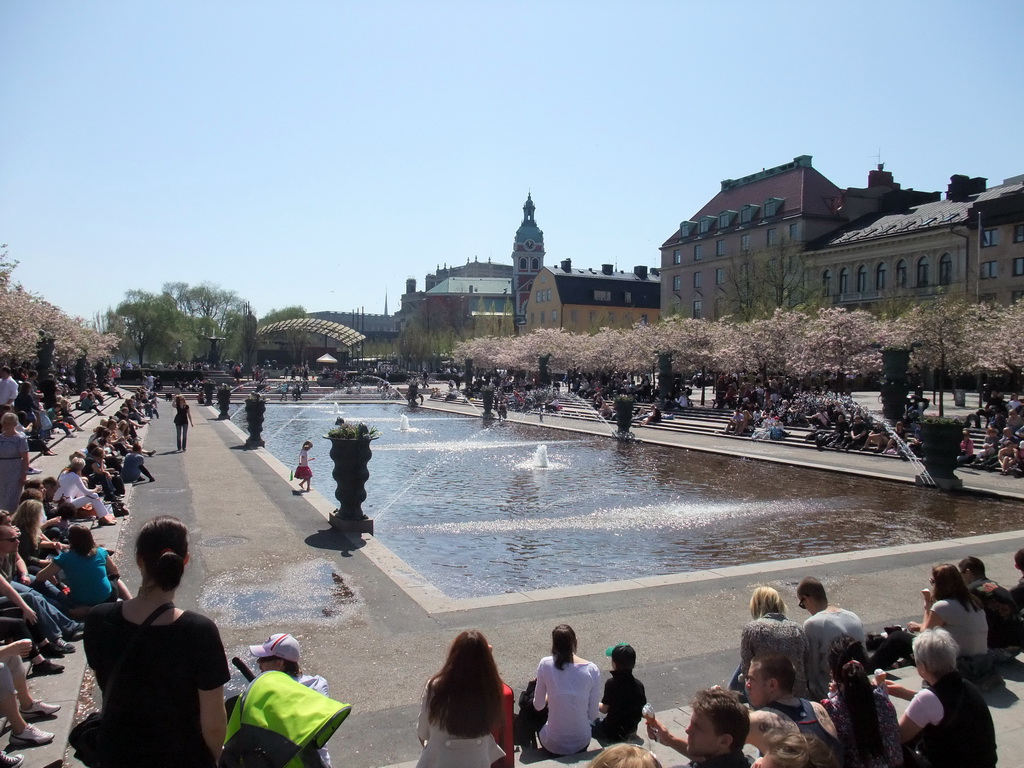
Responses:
[11,761]
[30,737]
[40,708]
[33,471]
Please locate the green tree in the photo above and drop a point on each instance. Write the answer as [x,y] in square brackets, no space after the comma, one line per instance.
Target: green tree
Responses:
[148,320]
[759,282]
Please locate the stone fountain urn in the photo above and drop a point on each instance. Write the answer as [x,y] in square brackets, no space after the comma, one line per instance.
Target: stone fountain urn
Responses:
[351,454]
[223,401]
[255,408]
[487,393]
[940,444]
[624,416]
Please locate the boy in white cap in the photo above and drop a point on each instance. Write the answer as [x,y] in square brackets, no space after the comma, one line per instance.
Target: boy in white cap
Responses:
[281,653]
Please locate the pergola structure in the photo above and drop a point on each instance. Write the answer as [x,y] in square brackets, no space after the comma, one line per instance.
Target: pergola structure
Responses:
[336,331]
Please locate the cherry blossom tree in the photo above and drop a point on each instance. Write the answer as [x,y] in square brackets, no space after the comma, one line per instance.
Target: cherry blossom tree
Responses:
[840,341]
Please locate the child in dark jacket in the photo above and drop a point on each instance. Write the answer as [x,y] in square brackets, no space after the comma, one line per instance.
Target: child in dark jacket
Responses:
[623,700]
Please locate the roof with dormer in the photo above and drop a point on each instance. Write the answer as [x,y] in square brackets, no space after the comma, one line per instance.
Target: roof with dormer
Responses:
[803,190]
[577,286]
[941,214]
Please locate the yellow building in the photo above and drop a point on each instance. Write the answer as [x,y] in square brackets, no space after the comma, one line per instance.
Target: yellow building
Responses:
[584,300]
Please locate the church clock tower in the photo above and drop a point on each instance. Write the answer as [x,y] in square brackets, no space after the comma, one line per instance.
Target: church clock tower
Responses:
[527,259]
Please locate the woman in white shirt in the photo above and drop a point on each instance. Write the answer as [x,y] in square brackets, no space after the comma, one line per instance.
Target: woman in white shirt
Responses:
[71,488]
[570,687]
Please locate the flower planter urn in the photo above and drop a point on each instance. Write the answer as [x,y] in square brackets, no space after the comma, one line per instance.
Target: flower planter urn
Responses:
[940,443]
[223,402]
[255,408]
[894,383]
[624,416]
[488,396]
[351,457]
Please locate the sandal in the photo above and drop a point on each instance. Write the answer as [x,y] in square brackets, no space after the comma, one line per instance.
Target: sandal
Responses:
[108,520]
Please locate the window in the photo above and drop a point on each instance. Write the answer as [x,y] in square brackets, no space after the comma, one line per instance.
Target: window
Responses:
[535,264]
[698,252]
[686,228]
[772,206]
[844,280]
[725,219]
[826,282]
[1018,233]
[573,315]
[771,236]
[554,315]
[677,256]
[627,318]
[593,317]
[720,276]
[720,248]
[745,242]
[862,278]
[945,269]
[923,268]
[696,311]
[522,265]
[880,277]
[696,279]
[989,237]
[677,283]
[747,213]
[1018,267]
[793,230]
[989,270]
[901,274]
[602,295]
[627,297]
[705,224]
[531,318]
[542,317]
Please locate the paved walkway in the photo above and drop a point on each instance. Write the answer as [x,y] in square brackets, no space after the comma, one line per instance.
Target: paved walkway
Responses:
[265,560]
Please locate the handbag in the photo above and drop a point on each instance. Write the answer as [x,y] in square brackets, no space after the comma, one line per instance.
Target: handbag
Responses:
[84,737]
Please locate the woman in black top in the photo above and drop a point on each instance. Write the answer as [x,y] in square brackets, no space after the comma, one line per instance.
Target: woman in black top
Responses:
[165,705]
[182,421]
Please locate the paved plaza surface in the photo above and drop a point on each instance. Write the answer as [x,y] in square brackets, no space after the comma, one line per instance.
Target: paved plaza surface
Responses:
[265,560]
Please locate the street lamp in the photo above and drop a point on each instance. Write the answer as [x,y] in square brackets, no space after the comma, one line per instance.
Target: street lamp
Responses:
[178,345]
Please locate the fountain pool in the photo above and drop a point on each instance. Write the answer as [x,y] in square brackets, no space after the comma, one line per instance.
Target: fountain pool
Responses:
[479,509]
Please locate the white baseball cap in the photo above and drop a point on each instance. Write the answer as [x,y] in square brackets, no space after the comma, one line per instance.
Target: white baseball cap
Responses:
[283,646]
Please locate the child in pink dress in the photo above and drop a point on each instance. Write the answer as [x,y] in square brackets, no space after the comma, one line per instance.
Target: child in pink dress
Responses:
[303,473]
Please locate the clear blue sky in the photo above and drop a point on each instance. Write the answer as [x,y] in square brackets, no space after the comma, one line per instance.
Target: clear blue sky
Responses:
[320,153]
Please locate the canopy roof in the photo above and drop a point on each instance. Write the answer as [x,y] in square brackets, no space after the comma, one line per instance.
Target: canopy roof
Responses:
[340,333]
[325,358]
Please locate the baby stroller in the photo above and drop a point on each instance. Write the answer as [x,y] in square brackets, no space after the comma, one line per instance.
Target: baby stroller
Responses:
[279,723]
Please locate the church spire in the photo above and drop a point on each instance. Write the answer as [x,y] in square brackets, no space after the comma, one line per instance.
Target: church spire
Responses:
[528,209]
[385,303]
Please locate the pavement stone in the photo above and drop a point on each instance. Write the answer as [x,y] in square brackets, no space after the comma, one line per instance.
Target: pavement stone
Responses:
[255,542]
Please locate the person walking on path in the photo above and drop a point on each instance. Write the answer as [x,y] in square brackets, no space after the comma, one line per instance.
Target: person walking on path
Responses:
[303,473]
[182,421]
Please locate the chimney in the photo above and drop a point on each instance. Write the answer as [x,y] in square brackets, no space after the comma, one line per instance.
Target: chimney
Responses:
[641,272]
[567,265]
[961,188]
[881,178]
[607,269]
[410,285]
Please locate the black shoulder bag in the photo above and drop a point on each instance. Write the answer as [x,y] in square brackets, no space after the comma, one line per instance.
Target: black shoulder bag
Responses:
[84,737]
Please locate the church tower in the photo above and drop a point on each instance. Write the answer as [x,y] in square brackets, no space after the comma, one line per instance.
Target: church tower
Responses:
[527,259]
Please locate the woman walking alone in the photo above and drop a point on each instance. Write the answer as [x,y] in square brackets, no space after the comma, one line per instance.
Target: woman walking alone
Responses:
[182,421]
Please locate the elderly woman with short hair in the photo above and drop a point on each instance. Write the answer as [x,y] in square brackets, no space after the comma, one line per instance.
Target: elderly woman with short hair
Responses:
[948,723]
